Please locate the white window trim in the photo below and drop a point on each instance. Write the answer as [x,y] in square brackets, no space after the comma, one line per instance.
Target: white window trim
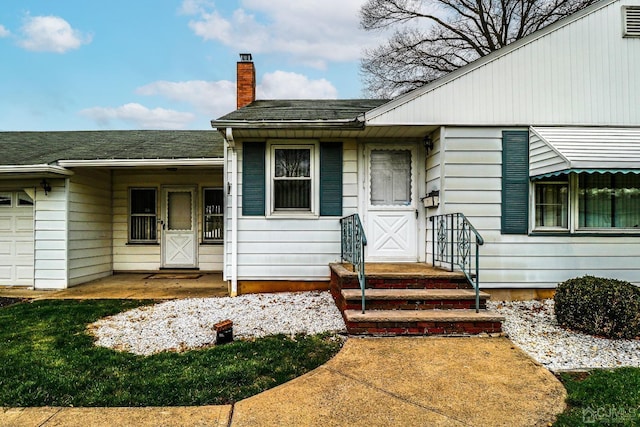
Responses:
[599,230]
[574,213]
[314,146]
[130,216]
[538,228]
[205,214]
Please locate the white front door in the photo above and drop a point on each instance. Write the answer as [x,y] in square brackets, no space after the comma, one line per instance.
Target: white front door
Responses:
[391,220]
[179,231]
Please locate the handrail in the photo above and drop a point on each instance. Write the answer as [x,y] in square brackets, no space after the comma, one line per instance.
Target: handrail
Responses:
[451,244]
[352,247]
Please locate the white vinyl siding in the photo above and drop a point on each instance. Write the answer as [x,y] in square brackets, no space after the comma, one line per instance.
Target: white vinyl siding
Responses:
[288,248]
[471,167]
[89,225]
[146,257]
[50,235]
[583,73]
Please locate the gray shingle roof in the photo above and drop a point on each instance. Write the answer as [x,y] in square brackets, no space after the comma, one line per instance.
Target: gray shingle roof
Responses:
[31,148]
[296,110]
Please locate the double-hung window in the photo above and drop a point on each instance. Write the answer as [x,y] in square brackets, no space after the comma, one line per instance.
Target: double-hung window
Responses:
[213,215]
[292,178]
[552,205]
[142,215]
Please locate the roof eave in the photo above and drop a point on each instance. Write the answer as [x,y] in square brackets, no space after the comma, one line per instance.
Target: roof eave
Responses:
[218,161]
[347,124]
[43,169]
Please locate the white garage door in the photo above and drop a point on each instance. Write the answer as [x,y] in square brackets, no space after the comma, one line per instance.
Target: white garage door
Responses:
[16,239]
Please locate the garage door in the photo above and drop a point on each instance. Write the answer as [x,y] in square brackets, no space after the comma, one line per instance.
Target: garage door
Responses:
[16,239]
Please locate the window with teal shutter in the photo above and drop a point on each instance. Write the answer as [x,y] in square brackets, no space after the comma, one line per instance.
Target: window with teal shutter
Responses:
[253,178]
[515,182]
[331,179]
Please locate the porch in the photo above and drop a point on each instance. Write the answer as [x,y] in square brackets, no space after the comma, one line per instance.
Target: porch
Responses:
[162,285]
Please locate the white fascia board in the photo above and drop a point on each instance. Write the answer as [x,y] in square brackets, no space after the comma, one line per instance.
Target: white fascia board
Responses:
[141,162]
[357,123]
[35,169]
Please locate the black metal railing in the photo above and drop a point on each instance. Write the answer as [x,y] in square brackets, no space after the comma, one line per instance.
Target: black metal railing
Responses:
[352,247]
[456,243]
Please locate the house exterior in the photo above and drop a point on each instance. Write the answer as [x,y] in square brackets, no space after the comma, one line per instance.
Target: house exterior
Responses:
[537,144]
[77,206]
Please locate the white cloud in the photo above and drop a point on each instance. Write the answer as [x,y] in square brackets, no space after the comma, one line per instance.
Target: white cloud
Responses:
[211,98]
[215,98]
[140,116]
[4,32]
[192,7]
[51,34]
[285,85]
[314,32]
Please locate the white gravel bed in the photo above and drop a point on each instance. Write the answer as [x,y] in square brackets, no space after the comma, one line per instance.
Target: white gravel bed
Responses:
[532,326]
[180,325]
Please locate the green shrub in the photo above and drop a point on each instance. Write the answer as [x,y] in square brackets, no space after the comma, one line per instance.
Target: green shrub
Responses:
[598,306]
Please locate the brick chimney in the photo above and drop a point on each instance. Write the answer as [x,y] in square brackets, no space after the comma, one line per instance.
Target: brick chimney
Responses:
[246,80]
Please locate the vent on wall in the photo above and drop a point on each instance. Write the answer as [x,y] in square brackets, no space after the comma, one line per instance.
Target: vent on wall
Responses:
[631,21]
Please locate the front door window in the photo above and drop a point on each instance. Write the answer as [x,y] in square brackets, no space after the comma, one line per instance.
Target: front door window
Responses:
[179,213]
[390,178]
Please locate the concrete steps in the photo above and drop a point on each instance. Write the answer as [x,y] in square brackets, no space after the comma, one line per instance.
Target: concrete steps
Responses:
[410,299]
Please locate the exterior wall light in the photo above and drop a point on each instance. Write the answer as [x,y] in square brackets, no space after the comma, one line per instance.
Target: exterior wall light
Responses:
[431,200]
[45,186]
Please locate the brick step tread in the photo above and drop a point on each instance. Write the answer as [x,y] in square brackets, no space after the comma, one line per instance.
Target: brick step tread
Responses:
[456,315]
[413,294]
[396,271]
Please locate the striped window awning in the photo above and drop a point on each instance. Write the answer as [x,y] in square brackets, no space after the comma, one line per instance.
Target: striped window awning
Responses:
[555,151]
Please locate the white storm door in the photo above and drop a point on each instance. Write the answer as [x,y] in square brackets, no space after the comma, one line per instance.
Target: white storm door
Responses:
[392,226]
[179,231]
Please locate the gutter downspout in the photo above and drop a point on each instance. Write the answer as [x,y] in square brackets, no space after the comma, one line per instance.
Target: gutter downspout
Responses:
[234,211]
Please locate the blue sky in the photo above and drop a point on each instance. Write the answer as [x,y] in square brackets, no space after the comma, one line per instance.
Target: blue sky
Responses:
[168,64]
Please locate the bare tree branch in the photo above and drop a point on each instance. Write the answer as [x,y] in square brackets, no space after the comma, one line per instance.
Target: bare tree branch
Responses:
[435,37]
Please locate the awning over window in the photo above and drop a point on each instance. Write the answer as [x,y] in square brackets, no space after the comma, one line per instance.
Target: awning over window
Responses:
[555,151]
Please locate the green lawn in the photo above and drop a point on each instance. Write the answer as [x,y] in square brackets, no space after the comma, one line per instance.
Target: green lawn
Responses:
[602,398]
[47,358]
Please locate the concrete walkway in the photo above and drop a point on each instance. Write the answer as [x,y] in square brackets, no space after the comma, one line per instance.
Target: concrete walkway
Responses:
[157,286]
[371,382]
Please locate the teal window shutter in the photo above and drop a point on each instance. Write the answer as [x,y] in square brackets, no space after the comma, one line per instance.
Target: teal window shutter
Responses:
[253,179]
[331,179]
[515,182]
